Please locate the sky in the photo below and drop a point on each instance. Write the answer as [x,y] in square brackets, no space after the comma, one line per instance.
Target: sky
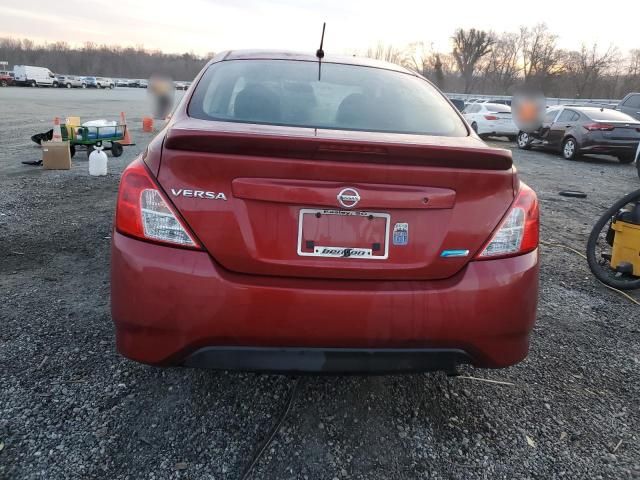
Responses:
[203,26]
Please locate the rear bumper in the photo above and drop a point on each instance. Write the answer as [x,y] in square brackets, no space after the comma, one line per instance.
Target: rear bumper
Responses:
[620,147]
[327,360]
[498,131]
[173,307]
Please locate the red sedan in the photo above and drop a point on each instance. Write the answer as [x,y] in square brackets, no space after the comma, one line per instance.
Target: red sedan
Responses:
[333,217]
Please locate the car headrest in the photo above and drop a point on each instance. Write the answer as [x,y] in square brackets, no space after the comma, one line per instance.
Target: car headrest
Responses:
[353,110]
[257,103]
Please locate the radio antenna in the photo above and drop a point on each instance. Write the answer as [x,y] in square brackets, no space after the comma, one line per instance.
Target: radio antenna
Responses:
[320,52]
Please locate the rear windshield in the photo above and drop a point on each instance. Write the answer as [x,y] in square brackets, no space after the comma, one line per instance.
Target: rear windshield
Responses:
[609,115]
[348,97]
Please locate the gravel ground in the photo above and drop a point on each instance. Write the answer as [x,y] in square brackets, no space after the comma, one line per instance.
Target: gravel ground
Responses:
[70,407]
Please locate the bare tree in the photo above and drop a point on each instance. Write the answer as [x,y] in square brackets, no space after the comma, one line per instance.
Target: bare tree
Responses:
[469,47]
[388,53]
[438,71]
[587,66]
[634,63]
[104,60]
[503,66]
[631,81]
[417,57]
[541,57]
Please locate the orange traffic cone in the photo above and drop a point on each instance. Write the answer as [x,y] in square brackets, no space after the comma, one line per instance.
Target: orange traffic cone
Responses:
[147,124]
[57,134]
[127,138]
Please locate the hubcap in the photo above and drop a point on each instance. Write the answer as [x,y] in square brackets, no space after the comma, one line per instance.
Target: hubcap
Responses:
[569,148]
[523,139]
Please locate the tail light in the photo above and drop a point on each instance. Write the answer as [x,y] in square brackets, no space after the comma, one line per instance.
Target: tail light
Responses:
[491,117]
[594,127]
[519,231]
[144,212]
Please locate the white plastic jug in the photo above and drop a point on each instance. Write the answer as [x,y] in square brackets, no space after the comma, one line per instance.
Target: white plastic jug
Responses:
[98,162]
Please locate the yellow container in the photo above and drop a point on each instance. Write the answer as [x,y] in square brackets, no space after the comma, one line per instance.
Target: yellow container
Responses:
[73,121]
[626,245]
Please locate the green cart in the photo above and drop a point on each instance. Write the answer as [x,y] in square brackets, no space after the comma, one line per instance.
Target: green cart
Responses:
[91,137]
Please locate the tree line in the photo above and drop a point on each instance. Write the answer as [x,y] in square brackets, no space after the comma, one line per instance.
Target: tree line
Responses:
[478,62]
[490,63]
[100,60]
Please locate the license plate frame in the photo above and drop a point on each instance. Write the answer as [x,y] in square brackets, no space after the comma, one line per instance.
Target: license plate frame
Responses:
[357,251]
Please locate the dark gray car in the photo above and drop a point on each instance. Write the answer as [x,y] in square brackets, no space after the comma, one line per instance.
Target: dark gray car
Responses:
[573,131]
[630,105]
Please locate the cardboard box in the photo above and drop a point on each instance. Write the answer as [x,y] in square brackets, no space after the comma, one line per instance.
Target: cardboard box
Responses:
[56,155]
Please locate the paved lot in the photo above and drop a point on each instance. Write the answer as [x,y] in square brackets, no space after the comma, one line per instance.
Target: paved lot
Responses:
[70,407]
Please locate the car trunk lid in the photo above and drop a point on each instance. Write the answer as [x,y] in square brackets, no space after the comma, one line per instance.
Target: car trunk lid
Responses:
[623,130]
[330,204]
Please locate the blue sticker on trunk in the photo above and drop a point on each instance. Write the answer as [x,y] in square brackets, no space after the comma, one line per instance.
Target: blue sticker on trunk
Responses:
[401,234]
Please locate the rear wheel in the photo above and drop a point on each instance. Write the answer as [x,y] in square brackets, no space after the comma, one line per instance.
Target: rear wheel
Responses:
[68,85]
[524,141]
[111,86]
[116,149]
[3,83]
[626,158]
[84,85]
[54,84]
[33,83]
[570,149]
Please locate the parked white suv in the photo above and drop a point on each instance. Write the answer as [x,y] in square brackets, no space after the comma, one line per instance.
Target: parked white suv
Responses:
[103,82]
[71,81]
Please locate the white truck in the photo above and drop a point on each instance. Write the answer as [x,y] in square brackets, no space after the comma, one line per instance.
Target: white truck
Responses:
[34,76]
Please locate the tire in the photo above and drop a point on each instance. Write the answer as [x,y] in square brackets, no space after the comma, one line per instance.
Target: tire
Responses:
[111,87]
[626,159]
[570,149]
[594,266]
[33,84]
[68,85]
[474,126]
[116,149]
[84,85]
[524,141]
[3,83]
[72,150]
[55,84]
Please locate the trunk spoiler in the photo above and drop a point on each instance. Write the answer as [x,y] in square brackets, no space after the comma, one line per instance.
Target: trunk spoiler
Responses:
[315,148]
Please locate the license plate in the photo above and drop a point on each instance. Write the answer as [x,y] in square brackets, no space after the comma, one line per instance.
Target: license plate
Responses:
[343,234]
